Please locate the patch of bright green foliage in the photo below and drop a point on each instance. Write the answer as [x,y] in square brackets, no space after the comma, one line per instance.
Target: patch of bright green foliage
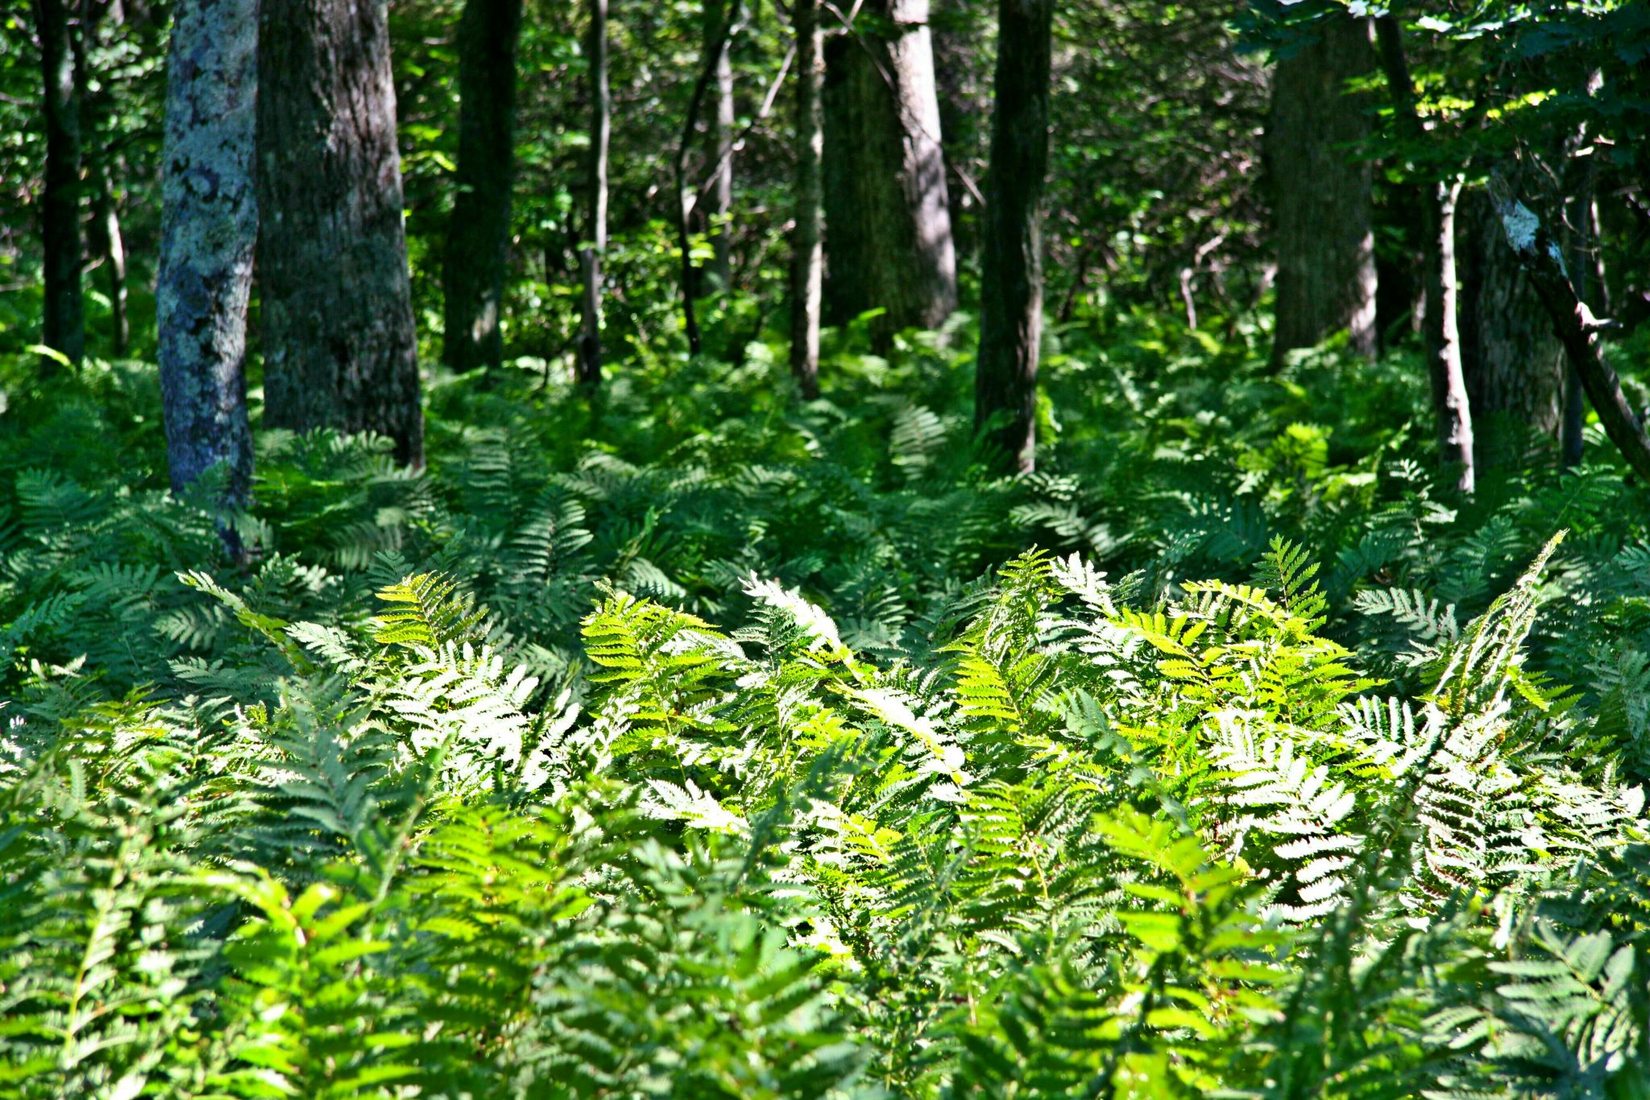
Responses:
[705,743]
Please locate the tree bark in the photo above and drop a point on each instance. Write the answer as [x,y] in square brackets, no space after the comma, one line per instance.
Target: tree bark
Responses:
[1574,325]
[720,188]
[209,232]
[478,234]
[589,370]
[807,251]
[64,326]
[339,344]
[1321,192]
[887,212]
[1451,406]
[1011,293]
[1513,364]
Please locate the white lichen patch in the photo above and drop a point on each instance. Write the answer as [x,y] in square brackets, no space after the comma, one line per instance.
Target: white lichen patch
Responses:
[1520,224]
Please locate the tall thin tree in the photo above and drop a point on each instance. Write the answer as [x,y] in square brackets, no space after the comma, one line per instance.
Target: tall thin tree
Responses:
[589,368]
[1011,291]
[64,327]
[209,231]
[1321,190]
[719,190]
[478,233]
[339,344]
[1452,406]
[103,162]
[807,239]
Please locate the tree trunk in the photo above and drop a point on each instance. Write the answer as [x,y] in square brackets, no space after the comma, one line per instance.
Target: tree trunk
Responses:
[1451,406]
[1586,262]
[590,256]
[957,48]
[720,190]
[887,214]
[807,252]
[1574,325]
[1513,364]
[478,235]
[339,345]
[64,322]
[1321,192]
[96,106]
[209,231]
[1011,292]
[1443,338]
[108,241]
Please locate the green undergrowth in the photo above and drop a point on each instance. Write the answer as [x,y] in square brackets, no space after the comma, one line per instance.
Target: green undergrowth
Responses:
[702,742]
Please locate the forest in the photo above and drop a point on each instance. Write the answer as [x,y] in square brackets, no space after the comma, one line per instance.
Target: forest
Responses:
[914,548]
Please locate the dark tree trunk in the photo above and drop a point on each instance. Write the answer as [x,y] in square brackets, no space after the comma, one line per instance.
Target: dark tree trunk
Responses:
[589,370]
[64,321]
[887,214]
[1451,406]
[1574,324]
[1011,292]
[339,345]
[1586,262]
[209,231]
[1400,297]
[1513,364]
[478,235]
[1320,187]
[807,253]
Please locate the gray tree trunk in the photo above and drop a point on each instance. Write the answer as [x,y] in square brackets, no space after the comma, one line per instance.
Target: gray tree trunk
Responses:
[339,345]
[209,231]
[1445,371]
[478,234]
[1011,292]
[64,325]
[720,190]
[589,369]
[1321,192]
[807,252]
[1513,364]
[887,213]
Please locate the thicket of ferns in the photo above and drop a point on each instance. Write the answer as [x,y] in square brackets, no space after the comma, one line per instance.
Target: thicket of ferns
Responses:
[504,781]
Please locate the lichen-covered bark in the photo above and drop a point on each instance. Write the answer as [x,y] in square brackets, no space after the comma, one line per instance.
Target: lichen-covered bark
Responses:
[807,253]
[1320,189]
[478,233]
[338,339]
[209,229]
[1513,364]
[887,212]
[1011,292]
[64,327]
